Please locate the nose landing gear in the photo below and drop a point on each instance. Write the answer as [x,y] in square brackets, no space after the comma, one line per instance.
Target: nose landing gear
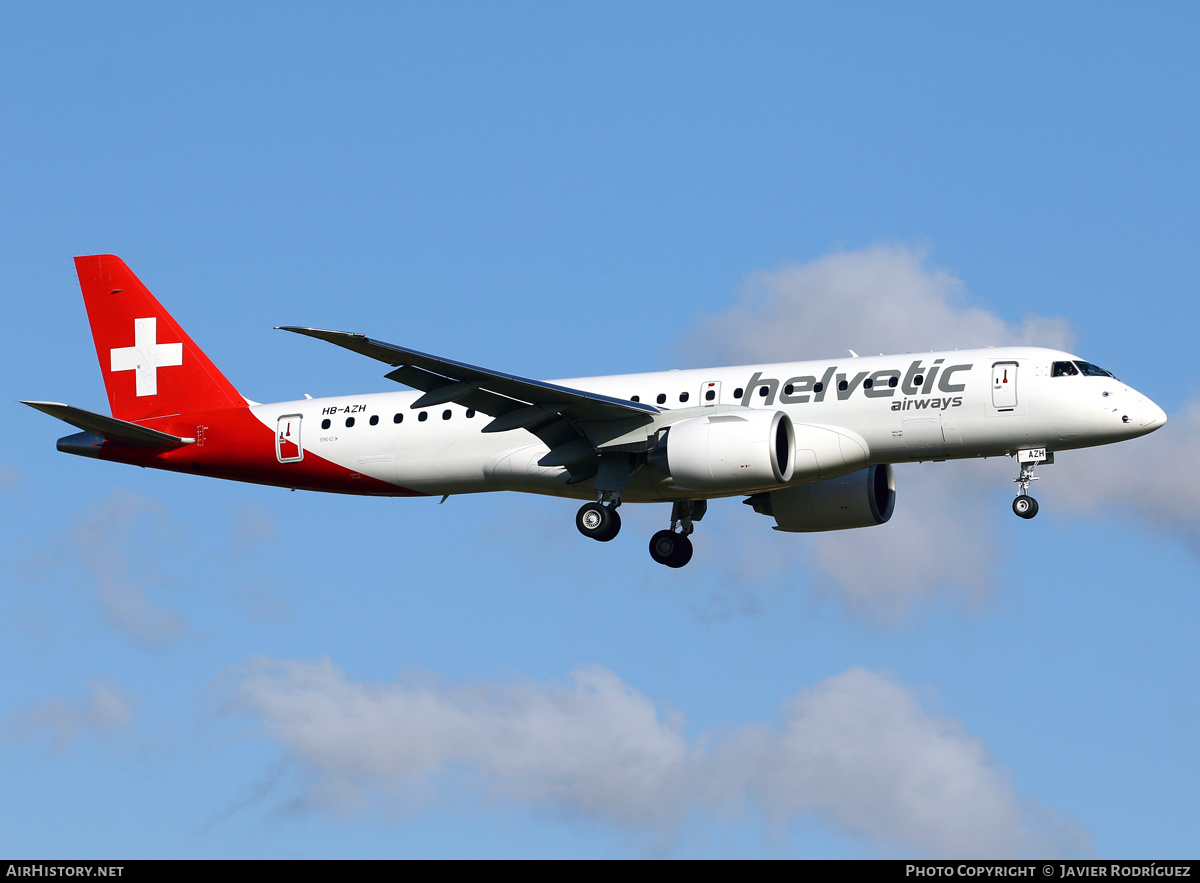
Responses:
[1025,506]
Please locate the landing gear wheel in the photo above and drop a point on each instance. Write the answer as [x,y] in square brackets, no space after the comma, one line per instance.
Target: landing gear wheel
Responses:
[670,548]
[1025,506]
[615,527]
[599,522]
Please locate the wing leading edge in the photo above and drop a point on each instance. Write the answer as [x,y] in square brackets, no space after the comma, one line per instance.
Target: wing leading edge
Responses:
[560,416]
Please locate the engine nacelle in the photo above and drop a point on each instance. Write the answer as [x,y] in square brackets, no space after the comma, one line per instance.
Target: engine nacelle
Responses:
[859,499]
[736,450]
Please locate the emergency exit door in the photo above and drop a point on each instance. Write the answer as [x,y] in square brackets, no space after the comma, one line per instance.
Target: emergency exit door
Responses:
[710,393]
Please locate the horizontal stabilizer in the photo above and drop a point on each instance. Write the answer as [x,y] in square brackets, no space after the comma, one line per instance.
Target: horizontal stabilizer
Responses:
[110,428]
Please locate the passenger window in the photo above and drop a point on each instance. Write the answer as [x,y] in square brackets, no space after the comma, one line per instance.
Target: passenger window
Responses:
[374,420]
[918,380]
[868,383]
[683,397]
[635,398]
[349,422]
[1063,369]
[737,393]
[710,395]
[398,418]
[325,423]
[423,416]
[893,381]
[446,414]
[842,384]
[763,391]
[662,398]
[470,413]
[818,387]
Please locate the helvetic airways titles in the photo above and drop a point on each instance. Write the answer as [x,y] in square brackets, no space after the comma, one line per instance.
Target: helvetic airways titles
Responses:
[802,442]
[918,380]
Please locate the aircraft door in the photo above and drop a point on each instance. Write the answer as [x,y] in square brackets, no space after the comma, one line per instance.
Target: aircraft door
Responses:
[287,439]
[1004,386]
[710,393]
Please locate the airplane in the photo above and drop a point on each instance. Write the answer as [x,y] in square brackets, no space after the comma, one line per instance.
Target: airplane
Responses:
[809,444]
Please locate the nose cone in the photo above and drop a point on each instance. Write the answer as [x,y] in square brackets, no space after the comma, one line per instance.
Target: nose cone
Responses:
[1151,416]
[1140,415]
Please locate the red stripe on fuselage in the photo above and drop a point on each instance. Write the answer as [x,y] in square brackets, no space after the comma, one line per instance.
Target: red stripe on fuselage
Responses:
[232,443]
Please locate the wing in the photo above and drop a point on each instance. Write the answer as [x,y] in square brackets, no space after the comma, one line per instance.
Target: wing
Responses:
[571,422]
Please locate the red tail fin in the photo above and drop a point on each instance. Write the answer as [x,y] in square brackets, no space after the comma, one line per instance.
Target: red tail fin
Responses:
[151,367]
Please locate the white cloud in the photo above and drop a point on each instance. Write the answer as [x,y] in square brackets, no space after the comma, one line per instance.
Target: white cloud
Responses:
[118,544]
[939,543]
[111,542]
[858,750]
[1156,477]
[132,551]
[253,528]
[937,547]
[882,299]
[105,712]
[886,298]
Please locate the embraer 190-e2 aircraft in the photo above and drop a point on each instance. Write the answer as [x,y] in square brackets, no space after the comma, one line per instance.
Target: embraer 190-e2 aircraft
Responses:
[809,444]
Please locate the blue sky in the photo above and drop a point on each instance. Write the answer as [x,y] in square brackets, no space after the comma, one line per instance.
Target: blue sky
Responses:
[198,668]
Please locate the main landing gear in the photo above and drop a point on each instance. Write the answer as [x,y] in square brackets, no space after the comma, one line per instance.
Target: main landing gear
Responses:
[602,522]
[672,547]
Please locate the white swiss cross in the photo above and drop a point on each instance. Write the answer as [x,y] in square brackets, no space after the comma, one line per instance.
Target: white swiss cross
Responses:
[146,356]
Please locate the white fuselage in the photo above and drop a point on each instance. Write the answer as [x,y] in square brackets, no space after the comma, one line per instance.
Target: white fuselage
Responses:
[930,406]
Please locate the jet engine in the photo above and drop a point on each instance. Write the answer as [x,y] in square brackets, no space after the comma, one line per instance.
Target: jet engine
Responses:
[859,499]
[728,451]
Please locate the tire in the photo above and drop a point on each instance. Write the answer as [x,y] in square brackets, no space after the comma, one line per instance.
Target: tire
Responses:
[1025,506]
[670,548]
[614,525]
[662,546]
[683,553]
[595,521]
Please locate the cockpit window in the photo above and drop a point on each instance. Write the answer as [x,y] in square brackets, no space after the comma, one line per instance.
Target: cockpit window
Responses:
[1090,370]
[1063,369]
